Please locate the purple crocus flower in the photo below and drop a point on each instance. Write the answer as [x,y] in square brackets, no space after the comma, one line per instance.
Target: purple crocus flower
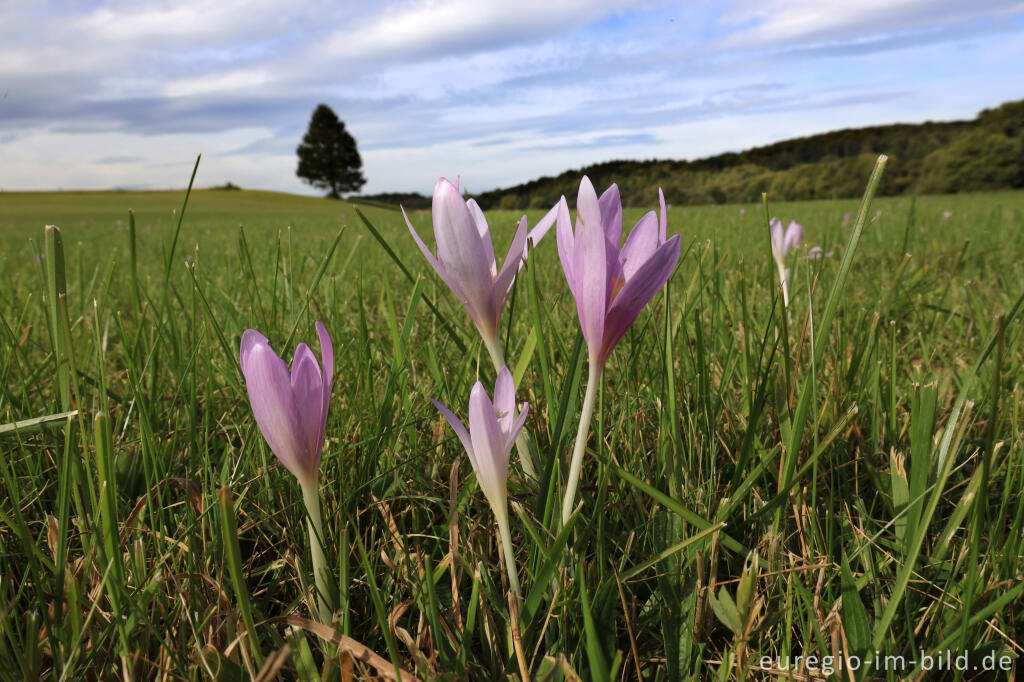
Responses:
[290,409]
[784,241]
[612,284]
[465,256]
[493,428]
[947,214]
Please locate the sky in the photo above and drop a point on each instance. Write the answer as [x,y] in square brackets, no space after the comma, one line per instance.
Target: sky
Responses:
[101,94]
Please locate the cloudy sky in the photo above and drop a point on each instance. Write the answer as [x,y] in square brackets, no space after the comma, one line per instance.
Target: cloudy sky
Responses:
[124,93]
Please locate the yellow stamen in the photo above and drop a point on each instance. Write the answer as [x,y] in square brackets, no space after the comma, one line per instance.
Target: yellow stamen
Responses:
[617,285]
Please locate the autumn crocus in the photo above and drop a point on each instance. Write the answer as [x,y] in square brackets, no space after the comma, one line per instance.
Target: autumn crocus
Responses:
[465,262]
[493,427]
[817,253]
[784,241]
[291,411]
[611,285]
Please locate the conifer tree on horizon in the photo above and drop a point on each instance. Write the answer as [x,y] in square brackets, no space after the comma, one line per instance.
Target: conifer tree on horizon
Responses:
[328,158]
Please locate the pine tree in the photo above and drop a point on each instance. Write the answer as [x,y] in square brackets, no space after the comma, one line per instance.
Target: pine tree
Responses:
[328,158]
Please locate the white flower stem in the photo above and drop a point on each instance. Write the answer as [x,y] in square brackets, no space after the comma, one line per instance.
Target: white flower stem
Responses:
[321,572]
[510,559]
[593,384]
[493,345]
[784,281]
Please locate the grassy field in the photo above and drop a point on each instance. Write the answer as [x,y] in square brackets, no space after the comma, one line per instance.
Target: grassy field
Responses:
[756,487]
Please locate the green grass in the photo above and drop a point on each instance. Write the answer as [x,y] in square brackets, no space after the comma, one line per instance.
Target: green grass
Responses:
[144,524]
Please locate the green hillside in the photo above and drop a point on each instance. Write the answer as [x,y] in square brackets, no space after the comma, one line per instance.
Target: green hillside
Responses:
[986,153]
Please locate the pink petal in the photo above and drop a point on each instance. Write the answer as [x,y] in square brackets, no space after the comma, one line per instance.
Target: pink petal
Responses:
[794,236]
[509,268]
[662,218]
[250,338]
[485,233]
[588,210]
[775,228]
[273,405]
[308,391]
[434,263]
[461,251]
[489,446]
[567,252]
[327,360]
[649,278]
[640,245]
[591,243]
[513,432]
[543,225]
[459,428]
[611,215]
[504,399]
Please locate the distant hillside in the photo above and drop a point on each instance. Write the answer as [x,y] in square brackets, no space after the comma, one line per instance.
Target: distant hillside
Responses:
[928,158]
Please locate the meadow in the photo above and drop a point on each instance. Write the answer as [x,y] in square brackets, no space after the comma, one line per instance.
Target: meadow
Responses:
[841,481]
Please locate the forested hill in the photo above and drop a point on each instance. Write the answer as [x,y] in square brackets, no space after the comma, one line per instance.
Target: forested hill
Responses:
[928,158]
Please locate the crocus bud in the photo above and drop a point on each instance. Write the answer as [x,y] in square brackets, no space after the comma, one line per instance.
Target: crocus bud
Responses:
[493,427]
[290,408]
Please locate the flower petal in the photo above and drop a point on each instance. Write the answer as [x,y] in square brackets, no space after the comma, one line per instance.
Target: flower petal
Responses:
[461,251]
[592,245]
[509,268]
[794,236]
[567,252]
[308,391]
[434,263]
[485,234]
[543,225]
[459,428]
[635,294]
[611,215]
[273,405]
[588,209]
[250,338]
[640,245]
[327,363]
[662,218]
[517,426]
[775,229]
[504,399]
[489,446]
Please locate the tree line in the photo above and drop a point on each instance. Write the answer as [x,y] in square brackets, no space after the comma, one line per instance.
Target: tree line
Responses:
[986,153]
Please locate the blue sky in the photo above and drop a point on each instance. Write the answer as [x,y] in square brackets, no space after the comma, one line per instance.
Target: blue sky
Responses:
[123,93]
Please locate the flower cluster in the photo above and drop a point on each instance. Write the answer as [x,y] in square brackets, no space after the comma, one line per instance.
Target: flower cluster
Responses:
[611,280]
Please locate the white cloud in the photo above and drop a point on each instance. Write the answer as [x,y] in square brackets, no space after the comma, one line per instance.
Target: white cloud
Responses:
[503,92]
[180,23]
[233,80]
[433,28]
[768,23]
